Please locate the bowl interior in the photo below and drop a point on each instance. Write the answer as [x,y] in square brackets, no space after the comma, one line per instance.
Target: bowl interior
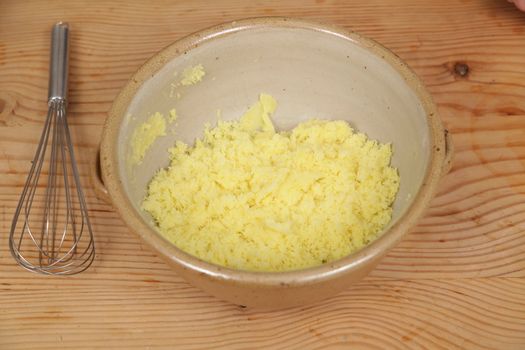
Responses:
[311,73]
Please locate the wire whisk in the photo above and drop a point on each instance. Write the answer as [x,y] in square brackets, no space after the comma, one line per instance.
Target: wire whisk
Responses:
[51,232]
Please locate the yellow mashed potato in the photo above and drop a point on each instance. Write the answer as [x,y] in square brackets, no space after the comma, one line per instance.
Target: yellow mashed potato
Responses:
[248,197]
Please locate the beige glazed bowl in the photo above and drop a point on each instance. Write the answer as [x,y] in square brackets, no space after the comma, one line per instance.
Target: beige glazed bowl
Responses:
[313,70]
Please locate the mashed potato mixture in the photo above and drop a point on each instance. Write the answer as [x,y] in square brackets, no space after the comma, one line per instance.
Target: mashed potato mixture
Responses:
[248,197]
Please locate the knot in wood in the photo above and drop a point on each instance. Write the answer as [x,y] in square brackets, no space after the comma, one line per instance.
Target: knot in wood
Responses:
[461,69]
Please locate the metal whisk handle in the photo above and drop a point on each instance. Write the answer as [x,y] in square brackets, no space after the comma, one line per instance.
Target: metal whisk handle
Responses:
[58,64]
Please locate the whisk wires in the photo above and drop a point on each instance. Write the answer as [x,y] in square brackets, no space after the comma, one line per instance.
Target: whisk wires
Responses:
[55,237]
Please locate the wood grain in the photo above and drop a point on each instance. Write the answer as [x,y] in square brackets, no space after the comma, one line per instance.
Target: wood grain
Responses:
[456,282]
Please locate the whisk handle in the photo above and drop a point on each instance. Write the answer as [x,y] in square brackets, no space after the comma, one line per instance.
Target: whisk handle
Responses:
[58,64]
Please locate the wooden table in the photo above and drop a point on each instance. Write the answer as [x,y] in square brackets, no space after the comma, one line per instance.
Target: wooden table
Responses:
[456,281]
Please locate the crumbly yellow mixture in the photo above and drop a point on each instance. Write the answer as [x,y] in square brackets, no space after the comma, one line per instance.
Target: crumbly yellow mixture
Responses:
[250,198]
[155,126]
[192,75]
[173,115]
[144,135]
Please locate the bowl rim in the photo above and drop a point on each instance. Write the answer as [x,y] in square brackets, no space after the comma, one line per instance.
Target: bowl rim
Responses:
[110,166]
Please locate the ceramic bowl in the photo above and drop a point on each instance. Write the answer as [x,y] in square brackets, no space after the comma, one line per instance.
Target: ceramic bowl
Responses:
[313,70]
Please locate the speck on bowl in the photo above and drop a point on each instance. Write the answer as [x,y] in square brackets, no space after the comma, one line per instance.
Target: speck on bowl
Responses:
[313,70]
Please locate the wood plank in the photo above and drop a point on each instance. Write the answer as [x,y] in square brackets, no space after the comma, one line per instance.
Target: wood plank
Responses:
[402,314]
[456,281]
